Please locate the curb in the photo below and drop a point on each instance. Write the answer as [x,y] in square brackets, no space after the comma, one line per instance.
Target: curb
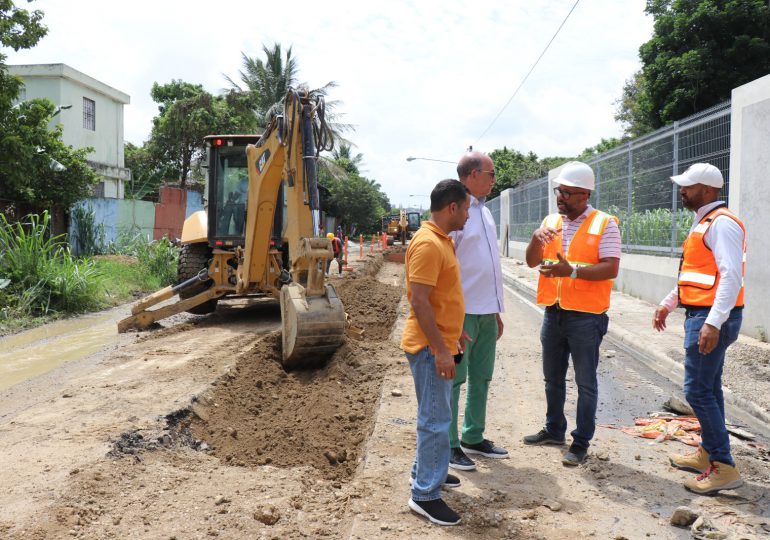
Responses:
[741,408]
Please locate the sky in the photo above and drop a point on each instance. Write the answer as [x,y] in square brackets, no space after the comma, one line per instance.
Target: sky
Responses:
[414,78]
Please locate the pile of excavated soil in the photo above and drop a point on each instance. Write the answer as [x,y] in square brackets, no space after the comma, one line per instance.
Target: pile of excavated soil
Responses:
[259,414]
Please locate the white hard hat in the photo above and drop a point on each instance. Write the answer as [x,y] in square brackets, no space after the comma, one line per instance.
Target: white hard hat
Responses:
[576,174]
[700,173]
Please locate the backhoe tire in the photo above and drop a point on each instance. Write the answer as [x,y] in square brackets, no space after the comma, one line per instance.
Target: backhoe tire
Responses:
[192,259]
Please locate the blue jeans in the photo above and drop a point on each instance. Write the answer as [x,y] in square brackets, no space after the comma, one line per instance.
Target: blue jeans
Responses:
[703,380]
[434,413]
[566,333]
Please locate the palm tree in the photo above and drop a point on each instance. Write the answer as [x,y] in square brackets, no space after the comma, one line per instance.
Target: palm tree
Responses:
[343,157]
[265,84]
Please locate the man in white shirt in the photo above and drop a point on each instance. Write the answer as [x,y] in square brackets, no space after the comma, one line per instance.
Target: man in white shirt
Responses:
[710,288]
[476,246]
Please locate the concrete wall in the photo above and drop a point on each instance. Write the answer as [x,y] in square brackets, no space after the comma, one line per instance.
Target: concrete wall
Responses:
[750,194]
[153,220]
[194,203]
[170,213]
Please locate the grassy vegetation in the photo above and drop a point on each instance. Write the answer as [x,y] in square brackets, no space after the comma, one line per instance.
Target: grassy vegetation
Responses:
[41,280]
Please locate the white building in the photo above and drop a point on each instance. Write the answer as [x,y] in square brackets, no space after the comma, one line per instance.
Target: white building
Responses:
[91,115]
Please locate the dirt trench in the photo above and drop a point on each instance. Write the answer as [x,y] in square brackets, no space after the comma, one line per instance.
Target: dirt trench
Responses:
[259,414]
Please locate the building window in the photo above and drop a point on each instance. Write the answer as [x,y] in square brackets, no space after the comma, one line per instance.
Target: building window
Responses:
[89,114]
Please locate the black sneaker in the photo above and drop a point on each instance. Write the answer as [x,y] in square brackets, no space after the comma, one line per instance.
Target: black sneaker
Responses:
[542,437]
[436,511]
[485,448]
[450,482]
[575,455]
[458,460]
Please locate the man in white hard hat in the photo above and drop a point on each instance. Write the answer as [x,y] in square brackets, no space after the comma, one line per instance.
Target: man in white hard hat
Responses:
[578,251]
[710,288]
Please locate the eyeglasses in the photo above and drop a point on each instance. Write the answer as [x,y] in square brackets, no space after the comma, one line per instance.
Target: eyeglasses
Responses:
[490,173]
[567,194]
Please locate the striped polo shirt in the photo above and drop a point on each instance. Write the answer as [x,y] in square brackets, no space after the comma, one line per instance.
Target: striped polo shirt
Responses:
[609,245]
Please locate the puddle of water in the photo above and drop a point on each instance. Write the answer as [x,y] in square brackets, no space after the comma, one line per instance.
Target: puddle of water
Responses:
[37,351]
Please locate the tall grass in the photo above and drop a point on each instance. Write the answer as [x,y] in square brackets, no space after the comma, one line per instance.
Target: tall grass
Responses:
[653,227]
[44,277]
[88,236]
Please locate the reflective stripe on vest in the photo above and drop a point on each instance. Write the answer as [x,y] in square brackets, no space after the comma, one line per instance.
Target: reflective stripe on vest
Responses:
[698,272]
[576,294]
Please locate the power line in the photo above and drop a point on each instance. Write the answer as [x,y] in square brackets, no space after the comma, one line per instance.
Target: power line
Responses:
[528,73]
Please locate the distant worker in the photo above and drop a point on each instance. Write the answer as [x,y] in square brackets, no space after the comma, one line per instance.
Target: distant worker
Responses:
[403,226]
[578,250]
[337,249]
[476,246]
[710,288]
[431,340]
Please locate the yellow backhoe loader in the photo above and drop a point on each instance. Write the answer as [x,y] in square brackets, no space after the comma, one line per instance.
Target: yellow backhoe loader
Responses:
[256,236]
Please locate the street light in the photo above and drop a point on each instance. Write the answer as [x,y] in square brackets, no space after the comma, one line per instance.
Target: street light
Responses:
[410,158]
[60,108]
[52,163]
[420,195]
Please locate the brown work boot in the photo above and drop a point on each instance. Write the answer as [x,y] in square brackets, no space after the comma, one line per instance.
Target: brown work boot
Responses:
[696,462]
[717,477]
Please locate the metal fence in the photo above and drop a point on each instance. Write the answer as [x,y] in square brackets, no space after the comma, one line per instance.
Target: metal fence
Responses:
[633,183]
[494,207]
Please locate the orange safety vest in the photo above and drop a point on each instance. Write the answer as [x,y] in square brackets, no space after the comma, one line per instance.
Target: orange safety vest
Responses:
[576,294]
[698,272]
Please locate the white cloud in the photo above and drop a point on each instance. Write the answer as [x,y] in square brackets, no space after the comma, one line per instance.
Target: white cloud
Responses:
[415,78]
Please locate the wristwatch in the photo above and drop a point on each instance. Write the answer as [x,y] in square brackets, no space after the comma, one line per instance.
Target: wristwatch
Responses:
[573,275]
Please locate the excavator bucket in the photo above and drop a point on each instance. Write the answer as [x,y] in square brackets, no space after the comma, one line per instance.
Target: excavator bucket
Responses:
[313,327]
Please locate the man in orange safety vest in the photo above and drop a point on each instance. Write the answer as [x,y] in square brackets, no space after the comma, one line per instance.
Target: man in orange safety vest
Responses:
[578,251]
[710,288]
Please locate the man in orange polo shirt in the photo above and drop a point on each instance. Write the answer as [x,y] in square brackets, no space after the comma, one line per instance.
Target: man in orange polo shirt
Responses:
[431,341]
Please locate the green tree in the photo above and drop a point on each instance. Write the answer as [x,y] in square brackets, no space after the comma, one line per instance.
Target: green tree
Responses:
[358,201]
[187,113]
[264,84]
[147,173]
[604,146]
[512,167]
[700,50]
[37,170]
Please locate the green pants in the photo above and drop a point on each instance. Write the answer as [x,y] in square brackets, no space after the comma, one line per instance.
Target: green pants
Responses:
[477,366]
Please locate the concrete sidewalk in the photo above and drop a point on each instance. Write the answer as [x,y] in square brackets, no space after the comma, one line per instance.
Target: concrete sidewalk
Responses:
[747,365]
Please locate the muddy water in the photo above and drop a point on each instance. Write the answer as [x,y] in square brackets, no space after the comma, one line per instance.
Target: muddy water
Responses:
[37,351]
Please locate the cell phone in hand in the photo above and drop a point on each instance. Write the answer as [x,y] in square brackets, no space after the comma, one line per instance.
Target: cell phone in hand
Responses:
[458,358]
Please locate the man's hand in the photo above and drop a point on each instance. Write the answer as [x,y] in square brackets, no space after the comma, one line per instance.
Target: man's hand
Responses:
[659,318]
[500,326]
[545,235]
[464,338]
[707,339]
[560,269]
[445,365]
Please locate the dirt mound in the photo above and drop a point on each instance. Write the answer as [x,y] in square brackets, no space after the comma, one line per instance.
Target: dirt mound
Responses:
[259,414]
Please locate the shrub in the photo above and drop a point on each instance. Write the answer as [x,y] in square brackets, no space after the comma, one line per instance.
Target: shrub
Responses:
[88,236]
[157,257]
[44,277]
